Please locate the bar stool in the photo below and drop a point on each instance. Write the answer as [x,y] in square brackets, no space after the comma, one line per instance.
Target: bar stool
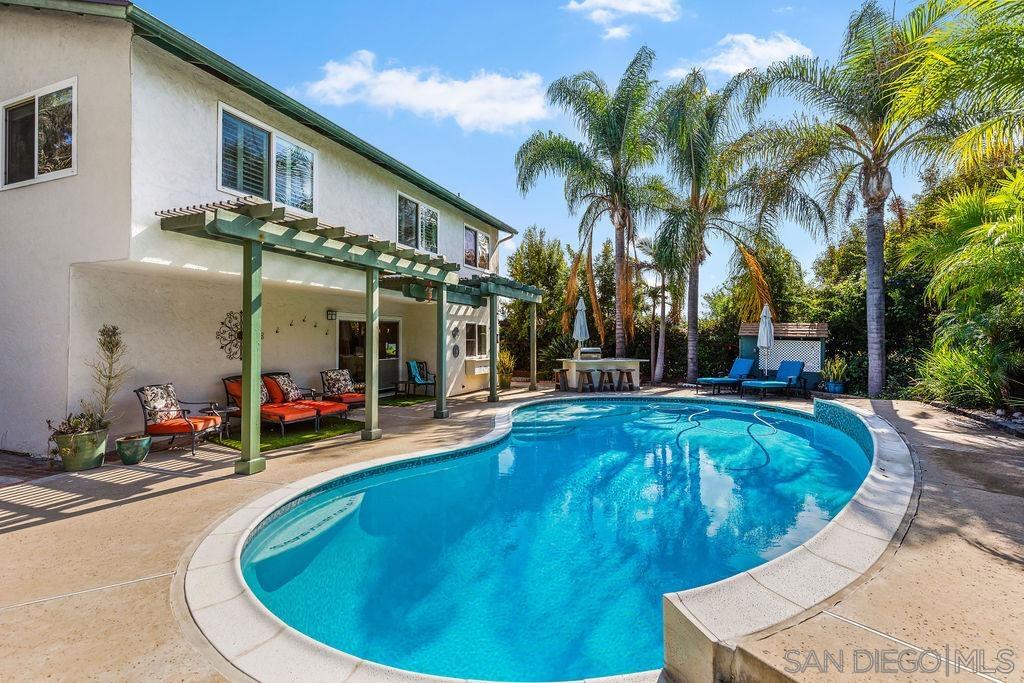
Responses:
[562,379]
[584,381]
[606,382]
[625,379]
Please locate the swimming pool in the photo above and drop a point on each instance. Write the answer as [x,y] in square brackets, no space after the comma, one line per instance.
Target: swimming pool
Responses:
[544,556]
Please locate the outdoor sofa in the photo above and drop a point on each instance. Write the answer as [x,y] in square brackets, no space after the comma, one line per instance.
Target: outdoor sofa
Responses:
[282,402]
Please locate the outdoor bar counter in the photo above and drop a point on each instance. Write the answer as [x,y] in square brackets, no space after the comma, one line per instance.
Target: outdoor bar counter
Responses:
[595,364]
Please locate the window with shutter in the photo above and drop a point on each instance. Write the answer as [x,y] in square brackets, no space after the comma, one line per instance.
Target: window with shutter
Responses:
[245,157]
[483,248]
[469,241]
[417,225]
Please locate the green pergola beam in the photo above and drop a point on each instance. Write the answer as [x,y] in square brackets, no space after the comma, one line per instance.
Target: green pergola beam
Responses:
[495,289]
[492,349]
[441,361]
[251,462]
[223,224]
[371,408]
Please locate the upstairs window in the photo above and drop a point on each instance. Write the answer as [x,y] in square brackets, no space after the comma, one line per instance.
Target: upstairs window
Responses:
[39,135]
[248,167]
[417,225]
[477,249]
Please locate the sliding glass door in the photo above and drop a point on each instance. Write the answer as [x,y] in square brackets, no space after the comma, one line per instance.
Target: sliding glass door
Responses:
[352,351]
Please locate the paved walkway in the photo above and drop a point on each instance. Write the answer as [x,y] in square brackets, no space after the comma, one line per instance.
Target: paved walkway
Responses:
[87,560]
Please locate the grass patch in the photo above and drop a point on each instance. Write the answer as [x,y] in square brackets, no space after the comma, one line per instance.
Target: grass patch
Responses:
[403,401]
[271,439]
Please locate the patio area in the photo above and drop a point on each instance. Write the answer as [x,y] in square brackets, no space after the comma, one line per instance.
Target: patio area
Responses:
[96,591]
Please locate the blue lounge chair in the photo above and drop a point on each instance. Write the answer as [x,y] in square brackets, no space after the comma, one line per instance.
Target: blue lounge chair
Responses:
[787,377]
[741,368]
[419,377]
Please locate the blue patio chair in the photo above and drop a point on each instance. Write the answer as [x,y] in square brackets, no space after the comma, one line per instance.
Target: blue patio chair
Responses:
[788,376]
[741,368]
[419,377]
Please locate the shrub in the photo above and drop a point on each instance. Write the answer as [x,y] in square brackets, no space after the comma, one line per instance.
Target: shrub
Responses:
[967,376]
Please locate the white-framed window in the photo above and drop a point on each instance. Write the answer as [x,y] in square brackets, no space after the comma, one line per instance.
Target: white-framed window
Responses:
[417,224]
[476,340]
[38,131]
[255,159]
[477,248]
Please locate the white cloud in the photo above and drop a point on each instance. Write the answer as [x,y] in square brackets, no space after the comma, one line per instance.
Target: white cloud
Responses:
[738,52]
[785,9]
[605,12]
[487,101]
[617,32]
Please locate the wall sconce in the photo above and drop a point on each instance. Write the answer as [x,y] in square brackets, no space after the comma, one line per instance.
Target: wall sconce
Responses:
[332,315]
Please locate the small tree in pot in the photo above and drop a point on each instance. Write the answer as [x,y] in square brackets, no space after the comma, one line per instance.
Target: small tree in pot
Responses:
[834,374]
[81,440]
[506,365]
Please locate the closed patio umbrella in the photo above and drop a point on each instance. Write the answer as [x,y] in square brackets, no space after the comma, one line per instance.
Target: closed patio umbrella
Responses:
[765,334]
[579,326]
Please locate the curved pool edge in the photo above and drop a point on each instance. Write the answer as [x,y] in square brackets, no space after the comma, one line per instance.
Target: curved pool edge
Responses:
[701,624]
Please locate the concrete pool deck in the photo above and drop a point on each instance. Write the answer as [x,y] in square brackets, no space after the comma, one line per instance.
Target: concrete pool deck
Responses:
[90,558]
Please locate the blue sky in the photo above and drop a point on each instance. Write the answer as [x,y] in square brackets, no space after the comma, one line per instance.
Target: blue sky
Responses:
[453,88]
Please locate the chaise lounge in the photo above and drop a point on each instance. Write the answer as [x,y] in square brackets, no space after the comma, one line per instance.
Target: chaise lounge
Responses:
[741,368]
[163,415]
[787,377]
[281,408]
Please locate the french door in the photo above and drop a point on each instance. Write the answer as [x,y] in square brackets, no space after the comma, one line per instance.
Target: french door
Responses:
[352,351]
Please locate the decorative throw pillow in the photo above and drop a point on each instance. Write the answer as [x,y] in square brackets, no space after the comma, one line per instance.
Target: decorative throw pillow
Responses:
[337,382]
[288,387]
[234,388]
[160,402]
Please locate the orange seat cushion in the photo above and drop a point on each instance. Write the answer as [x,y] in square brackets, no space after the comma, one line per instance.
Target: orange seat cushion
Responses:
[323,407]
[181,425]
[287,412]
[348,398]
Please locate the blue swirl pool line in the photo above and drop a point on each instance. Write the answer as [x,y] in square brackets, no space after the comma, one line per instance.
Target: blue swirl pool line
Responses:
[695,423]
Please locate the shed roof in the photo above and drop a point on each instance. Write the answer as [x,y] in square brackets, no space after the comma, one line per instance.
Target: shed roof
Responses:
[789,330]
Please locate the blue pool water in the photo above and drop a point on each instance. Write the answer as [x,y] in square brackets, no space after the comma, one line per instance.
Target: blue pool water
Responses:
[544,557]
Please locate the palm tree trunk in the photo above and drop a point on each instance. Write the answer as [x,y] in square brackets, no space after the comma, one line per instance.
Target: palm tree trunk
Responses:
[692,302]
[654,342]
[875,239]
[659,368]
[620,267]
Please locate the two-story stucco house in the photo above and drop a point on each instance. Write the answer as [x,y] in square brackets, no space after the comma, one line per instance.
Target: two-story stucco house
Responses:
[109,118]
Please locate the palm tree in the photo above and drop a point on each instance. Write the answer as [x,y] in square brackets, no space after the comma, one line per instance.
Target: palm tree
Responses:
[604,174]
[663,261]
[699,125]
[971,70]
[848,152]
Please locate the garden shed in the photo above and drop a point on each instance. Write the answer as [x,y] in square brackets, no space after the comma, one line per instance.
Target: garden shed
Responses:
[793,341]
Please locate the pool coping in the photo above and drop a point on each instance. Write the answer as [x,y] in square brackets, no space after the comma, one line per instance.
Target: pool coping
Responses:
[703,625]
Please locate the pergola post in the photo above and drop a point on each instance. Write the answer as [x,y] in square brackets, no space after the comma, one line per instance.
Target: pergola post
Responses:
[251,461]
[441,369]
[371,426]
[492,348]
[533,347]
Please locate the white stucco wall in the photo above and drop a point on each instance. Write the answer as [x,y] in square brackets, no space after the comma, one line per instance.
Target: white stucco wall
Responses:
[50,225]
[170,320]
[175,148]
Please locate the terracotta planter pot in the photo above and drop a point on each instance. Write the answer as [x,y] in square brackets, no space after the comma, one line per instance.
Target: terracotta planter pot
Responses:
[81,451]
[133,450]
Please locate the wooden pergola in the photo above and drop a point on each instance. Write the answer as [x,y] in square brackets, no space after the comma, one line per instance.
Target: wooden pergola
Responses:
[257,226]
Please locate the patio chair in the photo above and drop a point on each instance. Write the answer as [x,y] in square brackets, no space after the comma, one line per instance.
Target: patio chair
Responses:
[788,376]
[419,376]
[741,368]
[338,386]
[280,414]
[163,415]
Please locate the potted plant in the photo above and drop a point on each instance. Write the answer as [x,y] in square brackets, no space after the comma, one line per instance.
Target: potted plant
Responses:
[834,374]
[134,448]
[81,440]
[506,365]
